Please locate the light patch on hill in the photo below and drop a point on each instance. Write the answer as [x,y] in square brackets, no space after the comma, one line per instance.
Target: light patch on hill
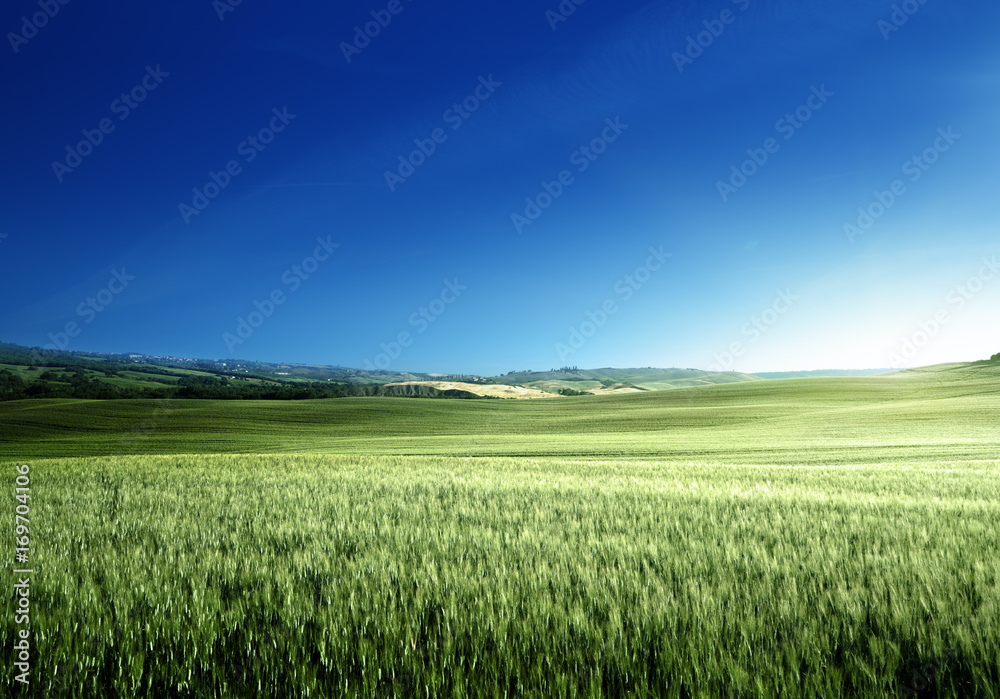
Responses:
[491,390]
[617,388]
[595,387]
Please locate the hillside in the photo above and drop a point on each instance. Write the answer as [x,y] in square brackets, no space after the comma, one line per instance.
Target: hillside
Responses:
[35,373]
[948,412]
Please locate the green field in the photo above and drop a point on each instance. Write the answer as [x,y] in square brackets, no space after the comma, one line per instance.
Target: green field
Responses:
[802,538]
[948,412]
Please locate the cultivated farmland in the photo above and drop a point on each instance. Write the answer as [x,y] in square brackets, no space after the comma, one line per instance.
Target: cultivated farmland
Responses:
[802,538]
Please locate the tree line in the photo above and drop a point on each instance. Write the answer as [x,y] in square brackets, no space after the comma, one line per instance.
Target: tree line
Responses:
[77,385]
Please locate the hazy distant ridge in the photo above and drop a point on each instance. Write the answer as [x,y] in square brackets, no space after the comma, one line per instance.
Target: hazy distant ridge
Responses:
[819,372]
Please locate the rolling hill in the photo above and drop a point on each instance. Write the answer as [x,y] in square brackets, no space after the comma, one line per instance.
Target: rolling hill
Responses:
[948,411]
[35,373]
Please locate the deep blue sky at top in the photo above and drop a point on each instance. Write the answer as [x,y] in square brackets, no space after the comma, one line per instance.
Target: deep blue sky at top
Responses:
[766,265]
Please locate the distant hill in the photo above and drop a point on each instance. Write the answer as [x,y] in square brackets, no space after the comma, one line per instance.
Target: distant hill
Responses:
[946,412]
[620,380]
[31,372]
[819,372]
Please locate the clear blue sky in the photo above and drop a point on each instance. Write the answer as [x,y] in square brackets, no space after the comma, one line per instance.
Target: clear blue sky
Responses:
[640,122]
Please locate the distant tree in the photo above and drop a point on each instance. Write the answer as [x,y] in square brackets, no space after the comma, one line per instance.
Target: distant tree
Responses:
[995,357]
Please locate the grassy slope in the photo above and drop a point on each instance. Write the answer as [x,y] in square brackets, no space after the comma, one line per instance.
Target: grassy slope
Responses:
[946,412]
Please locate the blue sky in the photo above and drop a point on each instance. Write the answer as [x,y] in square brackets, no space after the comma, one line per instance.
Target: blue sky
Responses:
[559,149]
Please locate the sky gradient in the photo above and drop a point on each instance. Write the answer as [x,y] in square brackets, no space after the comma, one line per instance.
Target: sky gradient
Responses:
[449,187]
